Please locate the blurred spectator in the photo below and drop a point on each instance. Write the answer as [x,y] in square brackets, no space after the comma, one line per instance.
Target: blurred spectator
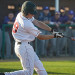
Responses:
[8,20]
[0,40]
[44,16]
[63,15]
[55,21]
[70,18]
[71,32]
[62,46]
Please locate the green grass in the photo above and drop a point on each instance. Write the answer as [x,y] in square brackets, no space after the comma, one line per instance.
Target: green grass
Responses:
[52,67]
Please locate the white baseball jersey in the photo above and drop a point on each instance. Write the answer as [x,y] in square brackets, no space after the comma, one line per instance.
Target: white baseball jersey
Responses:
[23,29]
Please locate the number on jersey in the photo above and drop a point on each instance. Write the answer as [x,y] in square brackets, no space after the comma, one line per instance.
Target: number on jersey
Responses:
[15,27]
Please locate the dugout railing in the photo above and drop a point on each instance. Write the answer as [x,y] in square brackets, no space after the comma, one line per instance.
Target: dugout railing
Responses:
[7,25]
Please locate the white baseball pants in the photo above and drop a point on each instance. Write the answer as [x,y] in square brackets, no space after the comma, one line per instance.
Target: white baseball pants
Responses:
[29,60]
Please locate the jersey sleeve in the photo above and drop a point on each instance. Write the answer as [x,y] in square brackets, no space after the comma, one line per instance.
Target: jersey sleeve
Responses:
[32,29]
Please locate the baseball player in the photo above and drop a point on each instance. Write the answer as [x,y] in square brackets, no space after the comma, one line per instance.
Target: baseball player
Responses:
[24,31]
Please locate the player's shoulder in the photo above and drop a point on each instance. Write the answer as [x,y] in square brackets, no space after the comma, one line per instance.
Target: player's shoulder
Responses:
[21,19]
[18,14]
[25,22]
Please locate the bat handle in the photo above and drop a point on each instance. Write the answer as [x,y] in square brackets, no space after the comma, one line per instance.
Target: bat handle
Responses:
[67,37]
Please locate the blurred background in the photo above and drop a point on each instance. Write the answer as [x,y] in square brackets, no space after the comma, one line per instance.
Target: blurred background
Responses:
[58,14]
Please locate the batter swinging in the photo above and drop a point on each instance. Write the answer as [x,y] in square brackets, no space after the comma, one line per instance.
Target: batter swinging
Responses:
[24,31]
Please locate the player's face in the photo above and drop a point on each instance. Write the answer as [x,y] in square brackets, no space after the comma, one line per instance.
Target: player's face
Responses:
[30,16]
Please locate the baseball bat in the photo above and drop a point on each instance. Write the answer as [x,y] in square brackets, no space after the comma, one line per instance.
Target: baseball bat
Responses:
[72,38]
[67,37]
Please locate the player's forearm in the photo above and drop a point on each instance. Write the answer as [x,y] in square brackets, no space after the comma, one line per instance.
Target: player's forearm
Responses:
[45,37]
[41,25]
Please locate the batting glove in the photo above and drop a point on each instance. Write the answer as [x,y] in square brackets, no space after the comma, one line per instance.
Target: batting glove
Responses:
[58,35]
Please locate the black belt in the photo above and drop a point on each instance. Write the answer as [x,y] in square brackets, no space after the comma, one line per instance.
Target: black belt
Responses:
[20,42]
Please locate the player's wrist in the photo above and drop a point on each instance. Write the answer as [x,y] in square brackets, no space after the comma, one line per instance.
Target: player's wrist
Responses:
[55,36]
[52,30]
